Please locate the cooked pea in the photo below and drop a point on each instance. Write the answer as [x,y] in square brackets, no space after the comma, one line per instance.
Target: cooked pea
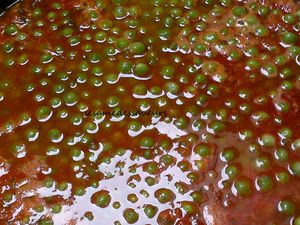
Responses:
[147,142]
[286,207]
[296,145]
[281,154]
[130,215]
[103,199]
[282,177]
[70,98]
[243,187]
[202,150]
[141,69]
[289,37]
[120,12]
[43,113]
[125,67]
[297,221]
[261,31]
[211,37]
[150,211]
[137,48]
[239,11]
[295,168]
[267,140]
[264,183]
[172,87]
[231,171]
[11,29]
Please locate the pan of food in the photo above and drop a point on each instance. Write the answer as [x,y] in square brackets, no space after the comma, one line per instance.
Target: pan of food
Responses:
[159,112]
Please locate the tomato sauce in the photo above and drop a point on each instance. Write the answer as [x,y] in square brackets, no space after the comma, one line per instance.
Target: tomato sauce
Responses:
[160,112]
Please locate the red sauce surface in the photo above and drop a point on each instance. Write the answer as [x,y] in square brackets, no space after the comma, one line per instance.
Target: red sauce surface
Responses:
[211,132]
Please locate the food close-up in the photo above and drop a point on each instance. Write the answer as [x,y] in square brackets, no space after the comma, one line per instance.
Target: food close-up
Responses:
[150,112]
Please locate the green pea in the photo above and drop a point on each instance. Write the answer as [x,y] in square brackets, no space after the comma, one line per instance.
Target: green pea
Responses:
[263,10]
[202,150]
[297,221]
[286,72]
[239,11]
[141,69]
[137,48]
[63,186]
[132,198]
[32,134]
[294,51]
[261,31]
[11,29]
[264,183]
[176,12]
[147,142]
[167,160]
[287,85]
[289,37]
[103,199]
[8,47]
[37,12]
[181,123]
[243,187]
[197,196]
[267,140]
[252,51]
[167,72]
[48,182]
[151,181]
[283,107]
[140,89]
[122,44]
[164,34]
[151,167]
[296,145]
[125,67]
[231,171]
[211,37]
[285,133]
[70,98]
[55,135]
[135,126]
[228,154]
[46,222]
[46,58]
[130,215]
[253,64]
[43,113]
[100,37]
[116,205]
[280,60]
[295,168]
[74,40]
[172,87]
[281,154]
[282,177]
[150,210]
[120,12]
[286,207]
[217,126]
[289,18]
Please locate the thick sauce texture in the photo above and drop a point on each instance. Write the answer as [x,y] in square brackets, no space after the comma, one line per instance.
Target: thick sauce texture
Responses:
[183,112]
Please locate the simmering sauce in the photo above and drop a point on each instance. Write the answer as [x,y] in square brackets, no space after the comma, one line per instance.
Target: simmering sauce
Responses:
[165,112]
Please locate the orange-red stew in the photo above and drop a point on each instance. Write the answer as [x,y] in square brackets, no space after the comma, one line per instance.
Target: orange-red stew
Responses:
[165,112]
